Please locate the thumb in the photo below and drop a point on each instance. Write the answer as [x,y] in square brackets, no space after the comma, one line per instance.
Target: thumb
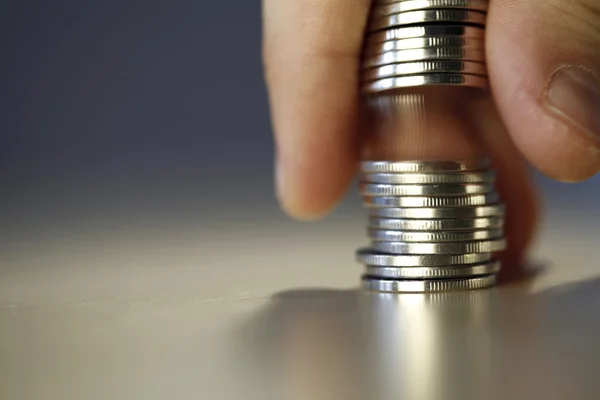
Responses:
[543,63]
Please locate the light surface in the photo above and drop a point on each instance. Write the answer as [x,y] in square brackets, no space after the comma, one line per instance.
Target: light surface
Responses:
[177,315]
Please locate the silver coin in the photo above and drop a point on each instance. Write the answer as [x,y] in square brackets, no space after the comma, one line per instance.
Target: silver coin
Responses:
[427,53]
[426,30]
[424,42]
[427,286]
[483,246]
[453,189]
[382,85]
[429,178]
[379,3]
[384,8]
[433,272]
[370,257]
[425,67]
[444,236]
[427,16]
[435,224]
[424,166]
[430,202]
[490,210]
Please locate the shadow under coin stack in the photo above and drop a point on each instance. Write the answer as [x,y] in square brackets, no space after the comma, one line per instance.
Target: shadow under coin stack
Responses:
[434,225]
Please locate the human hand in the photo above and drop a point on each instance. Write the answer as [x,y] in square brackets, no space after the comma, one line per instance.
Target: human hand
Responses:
[541,55]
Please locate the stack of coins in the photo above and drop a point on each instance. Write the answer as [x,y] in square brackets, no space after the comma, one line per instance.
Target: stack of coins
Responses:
[425,42]
[434,226]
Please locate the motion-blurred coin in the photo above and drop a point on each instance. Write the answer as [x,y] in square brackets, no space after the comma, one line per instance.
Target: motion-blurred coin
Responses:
[381,85]
[453,189]
[484,246]
[427,53]
[441,167]
[430,178]
[435,224]
[454,212]
[433,272]
[389,7]
[427,16]
[424,42]
[427,286]
[429,202]
[421,237]
[424,67]
[464,31]
[371,257]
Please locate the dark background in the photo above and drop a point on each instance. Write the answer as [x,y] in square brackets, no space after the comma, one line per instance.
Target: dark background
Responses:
[128,116]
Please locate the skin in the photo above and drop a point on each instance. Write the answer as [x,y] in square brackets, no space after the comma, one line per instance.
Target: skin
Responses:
[313,90]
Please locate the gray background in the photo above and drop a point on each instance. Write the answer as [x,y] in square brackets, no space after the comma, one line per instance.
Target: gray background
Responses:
[140,116]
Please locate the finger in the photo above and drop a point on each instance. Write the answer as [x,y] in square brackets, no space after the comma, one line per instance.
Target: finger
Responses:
[514,184]
[543,62]
[311,52]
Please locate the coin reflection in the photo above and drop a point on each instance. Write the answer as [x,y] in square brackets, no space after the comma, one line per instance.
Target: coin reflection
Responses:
[428,346]
[356,345]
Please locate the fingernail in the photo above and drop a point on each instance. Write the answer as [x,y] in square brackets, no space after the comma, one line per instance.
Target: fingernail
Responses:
[574,94]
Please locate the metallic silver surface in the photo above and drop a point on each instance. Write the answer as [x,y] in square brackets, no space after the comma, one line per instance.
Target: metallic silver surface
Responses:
[394,202]
[384,8]
[425,42]
[427,16]
[424,166]
[428,178]
[435,236]
[433,272]
[452,189]
[425,67]
[484,246]
[435,224]
[371,257]
[496,210]
[465,31]
[427,286]
[473,81]
[427,53]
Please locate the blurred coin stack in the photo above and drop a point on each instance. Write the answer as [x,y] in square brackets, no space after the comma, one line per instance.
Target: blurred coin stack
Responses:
[434,226]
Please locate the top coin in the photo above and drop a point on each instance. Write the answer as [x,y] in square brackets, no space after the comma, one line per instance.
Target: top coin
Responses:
[439,167]
[385,8]
[427,16]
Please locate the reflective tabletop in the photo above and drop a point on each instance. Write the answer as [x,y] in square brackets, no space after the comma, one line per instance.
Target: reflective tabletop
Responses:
[179,313]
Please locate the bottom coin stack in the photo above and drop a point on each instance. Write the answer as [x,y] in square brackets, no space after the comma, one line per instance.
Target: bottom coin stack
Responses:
[434,226]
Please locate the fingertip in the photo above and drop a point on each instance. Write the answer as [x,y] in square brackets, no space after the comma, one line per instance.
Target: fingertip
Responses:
[541,66]
[557,148]
[311,51]
[309,191]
